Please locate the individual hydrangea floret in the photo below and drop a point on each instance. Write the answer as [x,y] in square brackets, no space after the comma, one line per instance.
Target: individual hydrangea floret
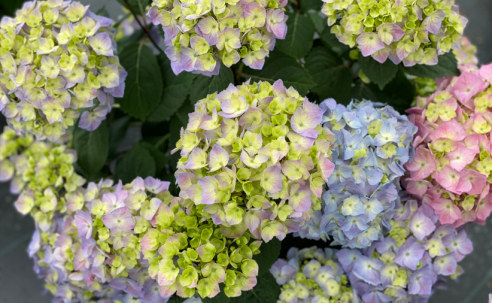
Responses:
[43,175]
[57,59]
[200,35]
[414,32]
[404,266]
[255,156]
[452,165]
[312,275]
[373,142]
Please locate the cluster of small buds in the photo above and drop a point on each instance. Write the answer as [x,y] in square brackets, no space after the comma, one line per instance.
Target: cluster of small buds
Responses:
[312,275]
[57,59]
[451,170]
[189,254]
[110,226]
[41,172]
[255,155]
[414,32]
[373,142]
[404,266]
[199,35]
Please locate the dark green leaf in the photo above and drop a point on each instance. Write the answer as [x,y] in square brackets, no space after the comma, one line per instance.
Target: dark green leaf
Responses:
[361,91]
[331,41]
[280,66]
[318,20]
[269,253]
[219,298]
[332,77]
[176,89]
[266,291]
[203,85]
[144,82]
[299,39]
[137,162]
[379,73]
[117,132]
[127,40]
[92,147]
[399,93]
[138,6]
[307,5]
[446,66]
[8,7]
[159,157]
[176,299]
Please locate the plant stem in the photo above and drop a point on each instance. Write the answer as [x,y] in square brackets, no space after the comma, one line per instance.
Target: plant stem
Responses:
[142,26]
[162,140]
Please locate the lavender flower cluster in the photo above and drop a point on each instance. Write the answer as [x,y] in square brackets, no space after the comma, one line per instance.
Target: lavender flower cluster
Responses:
[373,142]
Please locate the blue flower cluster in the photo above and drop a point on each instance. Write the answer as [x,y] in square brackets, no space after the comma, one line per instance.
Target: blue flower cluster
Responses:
[404,266]
[372,143]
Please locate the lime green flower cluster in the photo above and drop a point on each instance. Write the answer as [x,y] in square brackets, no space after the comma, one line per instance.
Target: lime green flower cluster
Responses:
[188,253]
[312,275]
[43,174]
[255,155]
[412,31]
[56,59]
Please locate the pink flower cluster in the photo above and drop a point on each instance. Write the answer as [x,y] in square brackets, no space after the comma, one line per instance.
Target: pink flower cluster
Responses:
[453,164]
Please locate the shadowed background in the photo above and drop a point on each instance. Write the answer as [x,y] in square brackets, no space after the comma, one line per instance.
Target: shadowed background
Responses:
[19,284]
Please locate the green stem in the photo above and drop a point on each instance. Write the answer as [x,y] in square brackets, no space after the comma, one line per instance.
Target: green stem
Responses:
[162,140]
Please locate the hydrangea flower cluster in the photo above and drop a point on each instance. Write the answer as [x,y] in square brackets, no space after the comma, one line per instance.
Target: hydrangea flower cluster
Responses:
[404,266]
[373,142]
[452,166]
[255,156]
[312,275]
[414,32]
[199,35]
[189,254]
[57,59]
[111,225]
[42,173]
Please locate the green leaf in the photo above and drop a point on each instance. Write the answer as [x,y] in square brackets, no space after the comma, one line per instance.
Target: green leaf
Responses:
[144,82]
[176,89]
[299,39]
[307,5]
[159,157]
[379,73]
[361,91]
[333,78]
[137,162]
[399,93]
[269,253]
[128,40]
[331,41]
[176,299]
[138,6]
[103,11]
[318,19]
[92,147]
[280,66]
[117,132]
[266,291]
[446,66]
[203,85]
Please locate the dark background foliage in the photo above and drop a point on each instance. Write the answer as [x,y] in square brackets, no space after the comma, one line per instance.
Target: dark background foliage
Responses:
[139,145]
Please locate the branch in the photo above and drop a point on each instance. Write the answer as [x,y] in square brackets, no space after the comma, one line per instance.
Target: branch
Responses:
[142,26]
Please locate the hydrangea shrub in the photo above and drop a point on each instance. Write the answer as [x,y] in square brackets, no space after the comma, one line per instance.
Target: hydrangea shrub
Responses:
[412,32]
[201,36]
[450,171]
[255,157]
[58,59]
[372,144]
